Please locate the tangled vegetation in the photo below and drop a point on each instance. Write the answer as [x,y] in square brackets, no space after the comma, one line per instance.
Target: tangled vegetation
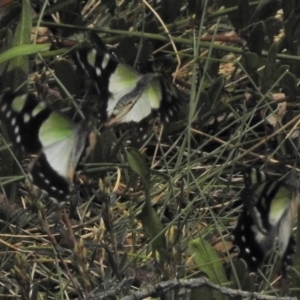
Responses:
[151,217]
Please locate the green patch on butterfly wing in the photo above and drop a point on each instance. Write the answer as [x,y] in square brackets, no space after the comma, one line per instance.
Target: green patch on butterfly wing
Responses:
[126,73]
[260,186]
[55,129]
[136,105]
[284,232]
[138,96]
[256,179]
[91,58]
[145,96]
[154,93]
[257,176]
[64,147]
[280,204]
[122,81]
[258,189]
[18,103]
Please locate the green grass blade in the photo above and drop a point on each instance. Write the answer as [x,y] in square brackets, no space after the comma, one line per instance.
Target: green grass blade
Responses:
[22,50]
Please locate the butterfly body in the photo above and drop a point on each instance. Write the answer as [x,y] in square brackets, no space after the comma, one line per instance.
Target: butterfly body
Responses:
[267,213]
[126,95]
[57,142]
[123,109]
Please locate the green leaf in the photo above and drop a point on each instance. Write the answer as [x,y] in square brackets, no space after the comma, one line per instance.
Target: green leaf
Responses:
[251,62]
[23,30]
[291,27]
[289,85]
[268,77]
[150,220]
[154,229]
[204,106]
[209,262]
[195,7]
[243,15]
[18,67]
[215,92]
[170,9]
[22,50]
[138,165]
[239,12]
[264,10]
[287,7]
[256,39]
[273,27]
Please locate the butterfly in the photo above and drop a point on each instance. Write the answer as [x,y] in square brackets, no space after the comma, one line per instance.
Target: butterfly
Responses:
[267,213]
[126,95]
[57,142]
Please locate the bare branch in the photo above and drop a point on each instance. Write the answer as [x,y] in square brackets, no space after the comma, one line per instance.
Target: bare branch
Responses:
[165,286]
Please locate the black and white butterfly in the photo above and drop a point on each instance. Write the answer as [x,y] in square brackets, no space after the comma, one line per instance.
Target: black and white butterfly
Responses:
[57,142]
[268,212]
[126,95]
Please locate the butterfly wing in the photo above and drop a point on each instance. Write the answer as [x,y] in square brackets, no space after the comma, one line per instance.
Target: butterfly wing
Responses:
[53,170]
[121,82]
[250,250]
[127,95]
[266,213]
[138,104]
[58,143]
[23,116]
[171,102]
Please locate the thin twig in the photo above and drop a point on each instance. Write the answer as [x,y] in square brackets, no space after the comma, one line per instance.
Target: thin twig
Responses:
[165,286]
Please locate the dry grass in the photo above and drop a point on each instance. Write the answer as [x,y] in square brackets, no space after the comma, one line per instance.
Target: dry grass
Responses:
[97,242]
